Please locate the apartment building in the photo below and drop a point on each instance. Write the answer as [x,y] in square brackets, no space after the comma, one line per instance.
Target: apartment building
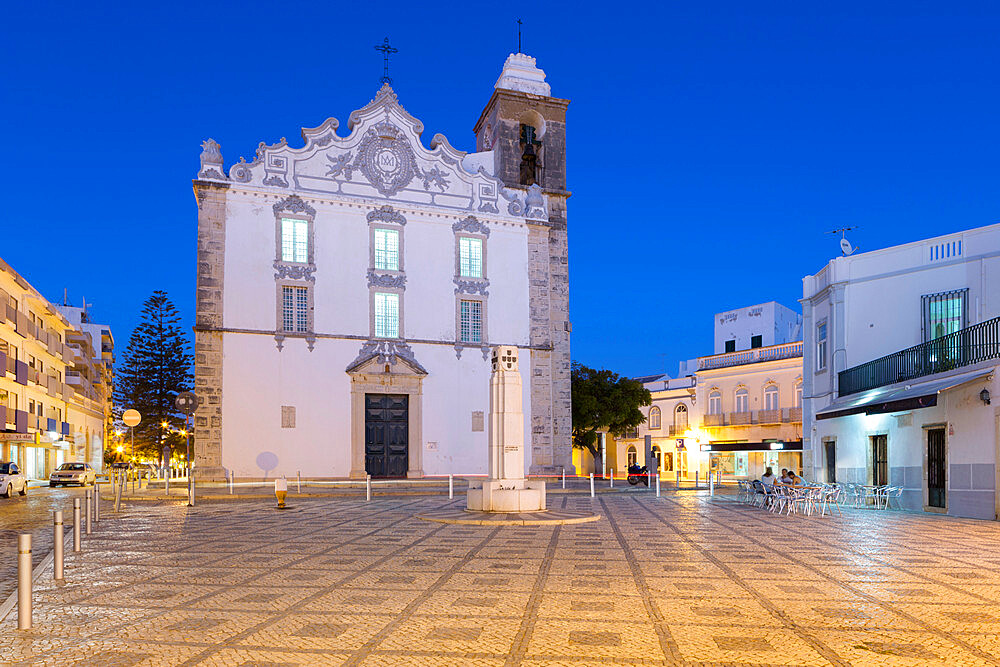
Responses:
[48,414]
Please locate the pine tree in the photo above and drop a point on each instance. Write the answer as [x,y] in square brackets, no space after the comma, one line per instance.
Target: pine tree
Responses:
[155,368]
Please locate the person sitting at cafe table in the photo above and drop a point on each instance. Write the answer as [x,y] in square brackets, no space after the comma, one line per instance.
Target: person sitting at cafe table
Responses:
[796,480]
[785,478]
[768,477]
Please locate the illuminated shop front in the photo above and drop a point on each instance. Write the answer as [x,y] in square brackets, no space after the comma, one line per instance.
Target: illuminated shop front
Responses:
[750,459]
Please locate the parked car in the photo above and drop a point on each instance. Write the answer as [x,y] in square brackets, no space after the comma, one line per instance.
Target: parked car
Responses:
[148,470]
[73,473]
[11,480]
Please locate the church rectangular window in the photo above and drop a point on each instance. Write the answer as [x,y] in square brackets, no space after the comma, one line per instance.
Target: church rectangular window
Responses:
[386,249]
[294,240]
[470,257]
[471,321]
[386,315]
[294,309]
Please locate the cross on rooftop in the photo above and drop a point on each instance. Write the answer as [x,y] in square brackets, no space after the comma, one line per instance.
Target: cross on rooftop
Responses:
[386,50]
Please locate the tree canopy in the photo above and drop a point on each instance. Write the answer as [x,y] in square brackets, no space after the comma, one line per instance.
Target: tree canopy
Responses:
[155,368]
[603,400]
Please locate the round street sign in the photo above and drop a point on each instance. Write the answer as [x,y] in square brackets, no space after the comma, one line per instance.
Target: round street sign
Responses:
[131,417]
[187,402]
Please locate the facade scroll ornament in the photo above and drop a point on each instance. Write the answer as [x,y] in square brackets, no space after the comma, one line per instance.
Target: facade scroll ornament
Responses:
[240,172]
[286,271]
[472,286]
[472,225]
[515,208]
[211,172]
[276,180]
[488,207]
[293,204]
[386,214]
[535,203]
[393,281]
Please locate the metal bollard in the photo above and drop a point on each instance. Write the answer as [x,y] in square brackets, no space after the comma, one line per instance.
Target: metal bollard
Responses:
[90,509]
[611,478]
[118,494]
[368,487]
[24,581]
[232,478]
[191,487]
[298,480]
[564,477]
[97,502]
[678,480]
[166,482]
[696,479]
[451,487]
[711,484]
[591,485]
[657,485]
[76,525]
[57,545]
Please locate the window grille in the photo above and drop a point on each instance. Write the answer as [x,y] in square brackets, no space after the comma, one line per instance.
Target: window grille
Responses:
[294,240]
[470,257]
[387,249]
[295,309]
[944,313]
[471,321]
[386,315]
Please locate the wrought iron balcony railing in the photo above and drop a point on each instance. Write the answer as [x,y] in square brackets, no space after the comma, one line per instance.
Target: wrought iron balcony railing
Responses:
[980,342]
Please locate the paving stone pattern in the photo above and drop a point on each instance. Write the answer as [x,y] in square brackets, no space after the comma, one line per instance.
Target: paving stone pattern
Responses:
[683,579]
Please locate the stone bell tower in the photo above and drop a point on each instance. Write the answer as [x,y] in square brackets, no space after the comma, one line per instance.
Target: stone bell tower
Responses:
[525,128]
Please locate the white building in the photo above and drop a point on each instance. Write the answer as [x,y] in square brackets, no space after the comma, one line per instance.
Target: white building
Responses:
[901,351]
[349,291]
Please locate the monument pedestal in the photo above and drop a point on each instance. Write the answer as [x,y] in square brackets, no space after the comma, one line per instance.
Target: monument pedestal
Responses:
[508,495]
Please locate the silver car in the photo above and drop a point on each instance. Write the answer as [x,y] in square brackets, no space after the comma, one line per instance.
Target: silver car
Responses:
[12,480]
[73,473]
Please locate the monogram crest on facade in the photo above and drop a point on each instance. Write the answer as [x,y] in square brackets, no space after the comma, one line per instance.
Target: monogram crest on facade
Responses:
[386,159]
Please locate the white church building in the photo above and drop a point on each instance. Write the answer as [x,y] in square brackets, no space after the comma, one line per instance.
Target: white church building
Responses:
[349,290]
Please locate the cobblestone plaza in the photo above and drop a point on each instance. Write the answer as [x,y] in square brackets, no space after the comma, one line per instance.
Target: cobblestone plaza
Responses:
[682,579]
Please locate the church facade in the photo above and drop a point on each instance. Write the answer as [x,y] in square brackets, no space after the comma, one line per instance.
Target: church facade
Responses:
[349,291]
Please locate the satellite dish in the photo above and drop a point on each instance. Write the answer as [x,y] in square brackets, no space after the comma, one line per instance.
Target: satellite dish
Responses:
[846,247]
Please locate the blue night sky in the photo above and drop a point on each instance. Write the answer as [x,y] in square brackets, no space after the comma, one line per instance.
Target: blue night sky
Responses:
[712,145]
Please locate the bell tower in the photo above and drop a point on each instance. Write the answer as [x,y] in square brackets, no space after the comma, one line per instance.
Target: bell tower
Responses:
[525,128]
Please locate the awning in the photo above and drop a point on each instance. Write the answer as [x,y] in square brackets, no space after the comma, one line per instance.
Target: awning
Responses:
[778,446]
[898,397]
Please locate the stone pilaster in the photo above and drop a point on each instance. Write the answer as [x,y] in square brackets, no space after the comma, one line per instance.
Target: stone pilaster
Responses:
[208,320]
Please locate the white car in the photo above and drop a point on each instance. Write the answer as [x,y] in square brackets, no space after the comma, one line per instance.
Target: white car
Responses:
[73,473]
[12,480]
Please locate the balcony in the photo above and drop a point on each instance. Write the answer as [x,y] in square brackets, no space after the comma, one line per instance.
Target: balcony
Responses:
[980,342]
[755,417]
[752,356]
[770,417]
[714,420]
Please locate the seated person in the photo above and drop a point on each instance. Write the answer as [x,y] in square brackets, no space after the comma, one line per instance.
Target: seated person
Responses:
[768,477]
[785,476]
[796,480]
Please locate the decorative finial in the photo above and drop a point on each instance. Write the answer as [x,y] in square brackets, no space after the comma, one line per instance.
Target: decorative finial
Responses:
[386,50]
[519,35]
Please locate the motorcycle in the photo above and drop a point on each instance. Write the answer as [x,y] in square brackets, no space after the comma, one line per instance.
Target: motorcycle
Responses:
[638,474]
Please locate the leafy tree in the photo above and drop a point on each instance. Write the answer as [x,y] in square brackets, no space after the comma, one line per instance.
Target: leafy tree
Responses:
[603,400]
[155,368]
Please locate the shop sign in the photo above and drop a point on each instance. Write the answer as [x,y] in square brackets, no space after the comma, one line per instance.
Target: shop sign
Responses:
[18,437]
[680,444]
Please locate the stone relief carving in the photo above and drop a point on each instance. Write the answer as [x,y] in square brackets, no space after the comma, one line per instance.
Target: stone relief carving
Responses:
[394,281]
[535,202]
[488,207]
[472,286]
[386,214]
[386,159]
[211,160]
[515,208]
[386,352]
[324,140]
[294,271]
[341,164]
[471,225]
[276,180]
[240,172]
[212,173]
[293,204]
[433,176]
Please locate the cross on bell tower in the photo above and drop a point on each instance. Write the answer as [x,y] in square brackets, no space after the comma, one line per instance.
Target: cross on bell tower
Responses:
[386,50]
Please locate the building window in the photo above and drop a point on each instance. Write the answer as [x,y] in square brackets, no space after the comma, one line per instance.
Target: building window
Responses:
[821,346]
[294,240]
[471,321]
[386,249]
[632,456]
[742,400]
[798,395]
[731,345]
[657,460]
[756,341]
[715,403]
[386,315]
[681,414]
[654,417]
[470,257]
[294,309]
[944,313]
[771,397]
[631,433]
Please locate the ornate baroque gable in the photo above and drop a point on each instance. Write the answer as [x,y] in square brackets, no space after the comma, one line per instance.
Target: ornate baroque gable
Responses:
[381,158]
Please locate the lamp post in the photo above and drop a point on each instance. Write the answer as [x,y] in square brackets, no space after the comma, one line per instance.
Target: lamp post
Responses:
[187,402]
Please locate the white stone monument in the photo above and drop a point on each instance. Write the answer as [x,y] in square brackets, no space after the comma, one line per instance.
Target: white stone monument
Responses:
[505,488]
